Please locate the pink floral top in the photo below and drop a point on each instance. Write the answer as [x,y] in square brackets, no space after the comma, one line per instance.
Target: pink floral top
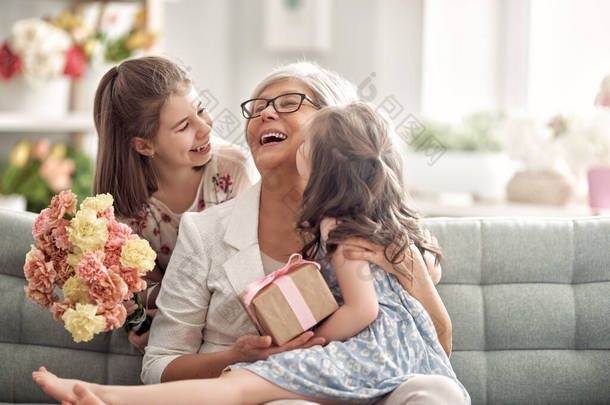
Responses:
[225,176]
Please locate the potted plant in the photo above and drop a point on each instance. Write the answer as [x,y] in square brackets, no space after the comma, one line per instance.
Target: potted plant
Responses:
[36,171]
[469,159]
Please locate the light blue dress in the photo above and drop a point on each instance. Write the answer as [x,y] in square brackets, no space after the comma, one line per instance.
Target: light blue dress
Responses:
[399,344]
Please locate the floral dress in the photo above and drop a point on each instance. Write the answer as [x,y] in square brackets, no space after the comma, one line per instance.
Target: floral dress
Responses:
[399,344]
[226,175]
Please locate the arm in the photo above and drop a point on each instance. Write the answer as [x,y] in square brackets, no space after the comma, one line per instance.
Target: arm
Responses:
[360,305]
[421,287]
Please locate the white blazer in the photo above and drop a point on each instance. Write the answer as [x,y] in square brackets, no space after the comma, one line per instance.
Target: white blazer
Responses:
[216,256]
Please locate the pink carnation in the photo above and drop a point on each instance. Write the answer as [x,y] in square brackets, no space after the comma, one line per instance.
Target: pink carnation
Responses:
[59,308]
[62,268]
[42,298]
[62,204]
[108,213]
[39,272]
[60,234]
[37,258]
[115,317]
[42,224]
[108,290]
[132,277]
[90,268]
[118,234]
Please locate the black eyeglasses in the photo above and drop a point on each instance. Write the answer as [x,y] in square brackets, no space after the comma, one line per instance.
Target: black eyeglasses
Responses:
[284,103]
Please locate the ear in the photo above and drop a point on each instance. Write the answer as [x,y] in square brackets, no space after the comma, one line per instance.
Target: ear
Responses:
[143,146]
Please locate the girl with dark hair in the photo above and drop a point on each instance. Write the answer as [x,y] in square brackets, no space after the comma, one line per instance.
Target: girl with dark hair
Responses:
[382,335]
[156,158]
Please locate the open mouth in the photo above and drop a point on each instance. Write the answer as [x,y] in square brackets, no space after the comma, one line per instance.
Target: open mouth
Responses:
[202,148]
[273,137]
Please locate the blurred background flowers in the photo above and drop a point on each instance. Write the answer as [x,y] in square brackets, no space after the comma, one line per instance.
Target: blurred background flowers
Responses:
[38,170]
[41,49]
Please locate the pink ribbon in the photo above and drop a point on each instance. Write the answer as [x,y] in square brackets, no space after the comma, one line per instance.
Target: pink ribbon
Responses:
[289,290]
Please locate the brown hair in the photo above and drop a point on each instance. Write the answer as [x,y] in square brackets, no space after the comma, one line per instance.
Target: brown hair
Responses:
[128,104]
[356,177]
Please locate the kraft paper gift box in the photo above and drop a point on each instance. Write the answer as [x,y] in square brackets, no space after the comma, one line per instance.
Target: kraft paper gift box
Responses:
[289,301]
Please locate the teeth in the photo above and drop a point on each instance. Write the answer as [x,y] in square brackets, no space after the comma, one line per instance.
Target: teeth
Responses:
[273,135]
[199,149]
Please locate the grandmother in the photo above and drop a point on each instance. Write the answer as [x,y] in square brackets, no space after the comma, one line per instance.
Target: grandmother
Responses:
[201,327]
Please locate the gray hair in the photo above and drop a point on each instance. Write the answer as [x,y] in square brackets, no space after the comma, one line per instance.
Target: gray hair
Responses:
[328,87]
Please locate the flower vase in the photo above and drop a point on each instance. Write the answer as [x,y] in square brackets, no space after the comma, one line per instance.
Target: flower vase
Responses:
[13,201]
[599,188]
[50,98]
[546,187]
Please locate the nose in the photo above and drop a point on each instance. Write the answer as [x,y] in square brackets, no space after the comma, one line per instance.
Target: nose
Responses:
[204,125]
[269,113]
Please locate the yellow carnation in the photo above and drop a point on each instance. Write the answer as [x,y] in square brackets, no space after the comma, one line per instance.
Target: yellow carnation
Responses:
[99,203]
[138,253]
[83,322]
[87,231]
[75,290]
[75,257]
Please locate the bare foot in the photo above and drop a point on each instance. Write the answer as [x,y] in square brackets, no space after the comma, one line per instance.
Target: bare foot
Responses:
[58,388]
[86,397]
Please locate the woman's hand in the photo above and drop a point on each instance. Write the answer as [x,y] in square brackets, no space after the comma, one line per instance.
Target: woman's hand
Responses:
[141,341]
[253,347]
[362,249]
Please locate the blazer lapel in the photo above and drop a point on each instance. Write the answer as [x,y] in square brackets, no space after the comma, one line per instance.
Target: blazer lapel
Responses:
[246,265]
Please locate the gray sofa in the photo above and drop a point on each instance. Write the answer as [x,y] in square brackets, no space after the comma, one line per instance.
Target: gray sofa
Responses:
[529,300]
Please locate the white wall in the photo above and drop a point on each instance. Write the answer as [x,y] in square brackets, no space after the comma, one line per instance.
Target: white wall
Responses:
[569,54]
[460,57]
[366,36]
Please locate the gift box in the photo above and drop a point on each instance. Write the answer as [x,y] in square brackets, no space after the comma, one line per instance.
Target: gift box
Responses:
[289,301]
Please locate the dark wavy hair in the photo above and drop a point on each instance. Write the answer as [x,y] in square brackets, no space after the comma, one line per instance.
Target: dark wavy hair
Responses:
[356,177]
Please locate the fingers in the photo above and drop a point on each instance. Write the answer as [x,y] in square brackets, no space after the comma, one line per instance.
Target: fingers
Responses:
[363,244]
[358,254]
[327,225]
[130,306]
[295,343]
[139,342]
[314,342]
[418,264]
[151,312]
[260,342]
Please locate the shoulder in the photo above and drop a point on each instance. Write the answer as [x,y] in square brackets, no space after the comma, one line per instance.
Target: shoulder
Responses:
[210,222]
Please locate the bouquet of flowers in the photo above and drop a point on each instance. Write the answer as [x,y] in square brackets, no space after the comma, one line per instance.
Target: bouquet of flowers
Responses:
[38,170]
[95,261]
[44,49]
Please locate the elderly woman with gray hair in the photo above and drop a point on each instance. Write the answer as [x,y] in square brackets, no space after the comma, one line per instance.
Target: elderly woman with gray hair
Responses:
[201,327]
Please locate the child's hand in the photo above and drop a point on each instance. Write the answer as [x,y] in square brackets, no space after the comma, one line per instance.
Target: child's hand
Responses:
[362,249]
[326,225]
[130,306]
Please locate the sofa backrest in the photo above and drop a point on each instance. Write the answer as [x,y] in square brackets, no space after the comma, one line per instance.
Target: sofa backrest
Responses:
[529,301]
[29,337]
